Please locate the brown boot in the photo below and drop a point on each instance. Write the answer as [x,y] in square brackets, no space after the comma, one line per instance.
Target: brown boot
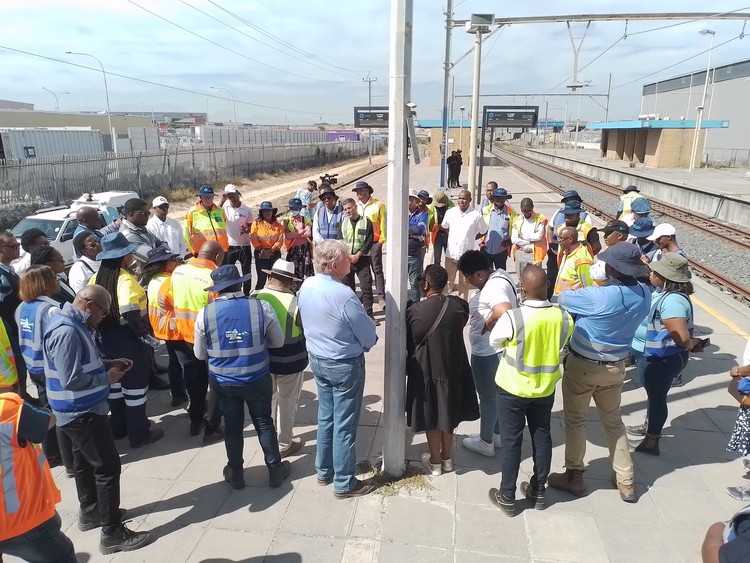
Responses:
[649,445]
[570,481]
[627,492]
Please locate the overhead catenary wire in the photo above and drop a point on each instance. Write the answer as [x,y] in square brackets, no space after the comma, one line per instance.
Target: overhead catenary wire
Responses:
[280,41]
[191,32]
[162,85]
[328,69]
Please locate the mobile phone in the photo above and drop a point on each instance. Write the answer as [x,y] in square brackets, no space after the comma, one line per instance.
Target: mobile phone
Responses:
[705,342]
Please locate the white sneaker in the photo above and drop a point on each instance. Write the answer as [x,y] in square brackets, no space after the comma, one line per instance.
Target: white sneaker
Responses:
[447,465]
[496,441]
[477,445]
[433,468]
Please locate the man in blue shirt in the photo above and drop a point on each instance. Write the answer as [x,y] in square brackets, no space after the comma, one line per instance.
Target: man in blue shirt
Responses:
[417,230]
[338,333]
[499,218]
[606,319]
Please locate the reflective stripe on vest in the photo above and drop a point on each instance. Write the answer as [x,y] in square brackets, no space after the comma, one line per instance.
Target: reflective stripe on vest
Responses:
[374,210]
[8,371]
[204,226]
[10,492]
[292,356]
[189,283]
[354,236]
[235,340]
[567,276]
[530,366]
[29,319]
[659,341]
[61,399]
[540,247]
[329,229]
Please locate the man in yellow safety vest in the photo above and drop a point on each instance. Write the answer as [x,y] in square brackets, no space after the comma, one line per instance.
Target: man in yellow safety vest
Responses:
[574,261]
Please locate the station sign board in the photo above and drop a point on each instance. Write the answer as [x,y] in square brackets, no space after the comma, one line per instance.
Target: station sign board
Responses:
[510,116]
[376,116]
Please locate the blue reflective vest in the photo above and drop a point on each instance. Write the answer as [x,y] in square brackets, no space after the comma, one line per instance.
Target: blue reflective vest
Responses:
[658,340]
[236,340]
[30,318]
[80,400]
[329,229]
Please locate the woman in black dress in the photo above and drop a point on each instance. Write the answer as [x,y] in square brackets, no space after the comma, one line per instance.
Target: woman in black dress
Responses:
[440,391]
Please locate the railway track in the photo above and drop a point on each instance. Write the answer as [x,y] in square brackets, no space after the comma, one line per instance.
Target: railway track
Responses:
[725,233]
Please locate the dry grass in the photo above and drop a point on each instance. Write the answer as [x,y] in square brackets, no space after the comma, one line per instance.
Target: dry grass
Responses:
[180,194]
[387,486]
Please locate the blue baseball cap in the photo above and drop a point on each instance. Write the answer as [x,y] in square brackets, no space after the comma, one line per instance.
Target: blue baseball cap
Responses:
[640,205]
[206,190]
[226,276]
[295,203]
[501,192]
[572,208]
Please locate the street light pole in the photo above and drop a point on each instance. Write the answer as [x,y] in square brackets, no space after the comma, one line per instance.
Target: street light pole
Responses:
[106,95]
[478,31]
[447,72]
[234,104]
[57,101]
[701,107]
[461,128]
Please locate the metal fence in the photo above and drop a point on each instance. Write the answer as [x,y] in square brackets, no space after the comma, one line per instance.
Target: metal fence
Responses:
[728,157]
[59,180]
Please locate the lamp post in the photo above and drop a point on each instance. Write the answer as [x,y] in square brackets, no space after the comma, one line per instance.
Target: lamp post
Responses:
[699,117]
[461,128]
[57,102]
[106,95]
[234,104]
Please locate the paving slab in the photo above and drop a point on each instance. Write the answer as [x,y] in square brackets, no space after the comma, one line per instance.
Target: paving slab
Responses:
[420,522]
[562,538]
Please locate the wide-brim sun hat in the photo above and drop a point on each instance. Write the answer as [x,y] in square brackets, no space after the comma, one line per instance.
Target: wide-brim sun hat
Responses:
[440,199]
[226,276]
[424,195]
[625,258]
[631,189]
[282,268]
[642,228]
[673,267]
[295,203]
[362,185]
[161,254]
[327,190]
[640,205]
[267,206]
[570,194]
[115,245]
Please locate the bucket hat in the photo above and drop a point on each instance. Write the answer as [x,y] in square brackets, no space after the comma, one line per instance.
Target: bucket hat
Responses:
[640,205]
[362,185]
[295,203]
[282,268]
[226,276]
[570,194]
[625,258]
[115,245]
[631,189]
[441,199]
[267,206]
[326,190]
[642,228]
[161,254]
[673,267]
[502,192]
[424,195]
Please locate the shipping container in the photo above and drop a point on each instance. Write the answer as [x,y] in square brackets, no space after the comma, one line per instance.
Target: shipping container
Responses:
[333,136]
[235,136]
[29,143]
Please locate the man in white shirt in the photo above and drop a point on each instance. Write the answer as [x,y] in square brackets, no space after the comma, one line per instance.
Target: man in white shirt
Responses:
[465,226]
[165,228]
[239,218]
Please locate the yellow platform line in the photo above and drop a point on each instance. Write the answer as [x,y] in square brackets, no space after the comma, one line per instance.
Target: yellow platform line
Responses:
[719,317]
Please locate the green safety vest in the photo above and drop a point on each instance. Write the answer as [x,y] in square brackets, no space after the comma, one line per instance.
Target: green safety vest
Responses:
[292,356]
[354,238]
[530,367]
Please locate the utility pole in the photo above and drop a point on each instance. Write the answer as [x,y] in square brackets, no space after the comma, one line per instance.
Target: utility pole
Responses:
[447,72]
[399,90]
[369,79]
[478,30]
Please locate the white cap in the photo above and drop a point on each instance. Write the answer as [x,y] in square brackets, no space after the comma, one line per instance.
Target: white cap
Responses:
[414,194]
[231,189]
[161,200]
[663,230]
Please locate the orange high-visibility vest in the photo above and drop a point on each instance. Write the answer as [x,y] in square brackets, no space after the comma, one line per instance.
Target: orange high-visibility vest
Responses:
[568,264]
[161,308]
[28,494]
[202,225]
[189,295]
[540,247]
[267,235]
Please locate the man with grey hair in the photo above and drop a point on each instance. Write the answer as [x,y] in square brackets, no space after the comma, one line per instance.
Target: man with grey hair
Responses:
[338,332]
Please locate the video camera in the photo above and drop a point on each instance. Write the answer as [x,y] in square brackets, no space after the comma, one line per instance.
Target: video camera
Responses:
[329,179]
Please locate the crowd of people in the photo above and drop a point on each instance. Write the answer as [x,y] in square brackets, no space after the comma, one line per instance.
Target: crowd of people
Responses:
[87,340]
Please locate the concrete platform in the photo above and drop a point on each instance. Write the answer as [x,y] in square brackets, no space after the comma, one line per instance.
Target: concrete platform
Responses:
[175,489]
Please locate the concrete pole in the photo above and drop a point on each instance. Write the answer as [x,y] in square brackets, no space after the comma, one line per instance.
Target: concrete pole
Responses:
[609,93]
[369,81]
[471,183]
[702,107]
[446,76]
[399,92]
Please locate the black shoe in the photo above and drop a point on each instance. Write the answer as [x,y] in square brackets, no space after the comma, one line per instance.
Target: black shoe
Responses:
[178,400]
[276,475]
[216,435]
[537,497]
[54,461]
[158,384]
[508,506]
[195,428]
[677,381]
[122,539]
[153,436]
[639,430]
[70,472]
[373,319]
[234,477]
[93,520]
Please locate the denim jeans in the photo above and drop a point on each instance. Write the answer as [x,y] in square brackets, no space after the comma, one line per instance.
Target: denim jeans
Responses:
[176,379]
[498,260]
[438,247]
[42,544]
[515,412]
[243,255]
[415,266]
[656,374]
[341,384]
[232,400]
[484,368]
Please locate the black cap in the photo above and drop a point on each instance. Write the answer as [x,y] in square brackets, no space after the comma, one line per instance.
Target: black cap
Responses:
[619,226]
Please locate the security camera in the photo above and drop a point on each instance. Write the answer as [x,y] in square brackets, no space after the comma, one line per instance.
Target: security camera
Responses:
[462,108]
[411,105]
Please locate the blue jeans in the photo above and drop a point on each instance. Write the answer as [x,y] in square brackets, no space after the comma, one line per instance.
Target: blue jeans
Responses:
[341,384]
[484,368]
[656,374]
[232,400]
[42,544]
[415,265]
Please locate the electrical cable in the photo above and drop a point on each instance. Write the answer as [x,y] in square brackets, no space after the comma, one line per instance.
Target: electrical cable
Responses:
[161,85]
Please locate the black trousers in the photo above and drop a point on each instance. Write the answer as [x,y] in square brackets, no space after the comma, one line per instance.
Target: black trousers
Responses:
[362,270]
[498,260]
[552,270]
[97,467]
[57,445]
[438,247]
[514,413]
[264,264]
[195,371]
[243,255]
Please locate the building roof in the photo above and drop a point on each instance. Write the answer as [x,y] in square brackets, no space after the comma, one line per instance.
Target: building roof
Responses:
[659,124]
[731,71]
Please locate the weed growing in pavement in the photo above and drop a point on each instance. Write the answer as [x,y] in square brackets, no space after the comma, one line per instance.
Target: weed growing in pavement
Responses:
[413,479]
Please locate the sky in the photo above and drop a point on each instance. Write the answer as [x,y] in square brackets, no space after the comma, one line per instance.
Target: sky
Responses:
[303,61]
